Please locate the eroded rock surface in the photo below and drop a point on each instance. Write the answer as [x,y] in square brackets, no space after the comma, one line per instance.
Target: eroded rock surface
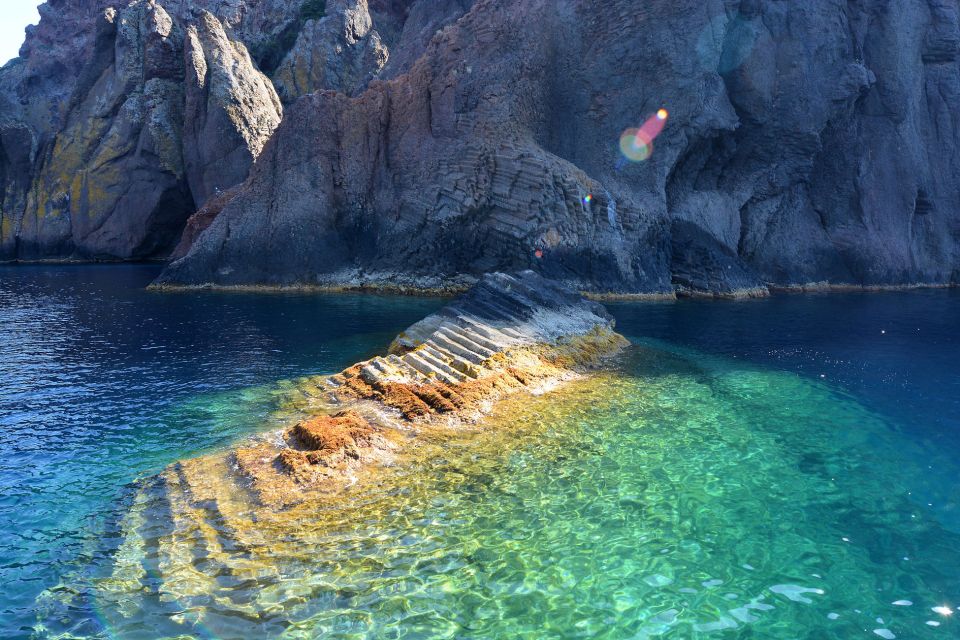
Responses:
[231,110]
[341,51]
[207,524]
[508,334]
[233,528]
[122,118]
[162,114]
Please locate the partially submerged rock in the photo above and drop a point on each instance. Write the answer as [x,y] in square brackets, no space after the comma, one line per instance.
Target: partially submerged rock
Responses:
[508,334]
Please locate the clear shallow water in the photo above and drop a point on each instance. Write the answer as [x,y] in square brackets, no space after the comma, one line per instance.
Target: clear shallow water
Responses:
[716,486]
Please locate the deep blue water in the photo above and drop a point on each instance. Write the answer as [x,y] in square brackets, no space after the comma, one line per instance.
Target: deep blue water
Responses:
[895,352]
[102,382]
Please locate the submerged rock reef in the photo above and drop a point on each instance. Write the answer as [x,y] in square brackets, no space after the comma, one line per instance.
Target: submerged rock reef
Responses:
[248,542]
[422,143]
[507,334]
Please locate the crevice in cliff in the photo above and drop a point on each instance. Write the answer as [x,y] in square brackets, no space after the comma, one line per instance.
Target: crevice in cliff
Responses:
[102,58]
[168,220]
[271,51]
[922,204]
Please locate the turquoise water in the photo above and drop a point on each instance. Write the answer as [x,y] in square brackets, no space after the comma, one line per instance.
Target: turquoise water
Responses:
[786,468]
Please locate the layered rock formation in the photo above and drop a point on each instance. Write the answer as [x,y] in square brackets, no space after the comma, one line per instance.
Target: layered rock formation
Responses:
[244,542]
[806,143]
[425,143]
[507,334]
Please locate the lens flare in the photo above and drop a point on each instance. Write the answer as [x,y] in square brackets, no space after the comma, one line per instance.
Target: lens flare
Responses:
[633,147]
[587,199]
[636,145]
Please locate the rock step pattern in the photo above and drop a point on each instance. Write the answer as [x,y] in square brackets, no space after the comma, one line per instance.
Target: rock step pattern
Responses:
[506,334]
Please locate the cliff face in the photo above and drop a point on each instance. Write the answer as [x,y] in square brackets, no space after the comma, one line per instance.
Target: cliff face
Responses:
[425,143]
[96,160]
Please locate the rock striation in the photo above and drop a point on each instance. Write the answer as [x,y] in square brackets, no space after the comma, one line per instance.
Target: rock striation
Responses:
[423,143]
[254,532]
[507,334]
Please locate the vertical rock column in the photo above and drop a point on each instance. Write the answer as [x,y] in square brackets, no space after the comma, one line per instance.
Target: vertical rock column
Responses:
[231,109]
[111,183]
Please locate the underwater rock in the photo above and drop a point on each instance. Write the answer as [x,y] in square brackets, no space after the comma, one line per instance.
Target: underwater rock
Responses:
[507,334]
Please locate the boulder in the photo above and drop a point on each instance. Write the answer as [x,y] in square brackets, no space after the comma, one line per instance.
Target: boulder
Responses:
[231,110]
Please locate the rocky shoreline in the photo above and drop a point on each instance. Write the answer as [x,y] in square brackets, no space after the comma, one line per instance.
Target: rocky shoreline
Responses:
[453,289]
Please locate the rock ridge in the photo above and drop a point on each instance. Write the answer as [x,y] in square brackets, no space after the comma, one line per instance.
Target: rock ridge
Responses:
[206,528]
[508,334]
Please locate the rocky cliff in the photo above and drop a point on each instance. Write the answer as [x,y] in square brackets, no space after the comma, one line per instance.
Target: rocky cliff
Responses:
[422,143]
[106,158]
